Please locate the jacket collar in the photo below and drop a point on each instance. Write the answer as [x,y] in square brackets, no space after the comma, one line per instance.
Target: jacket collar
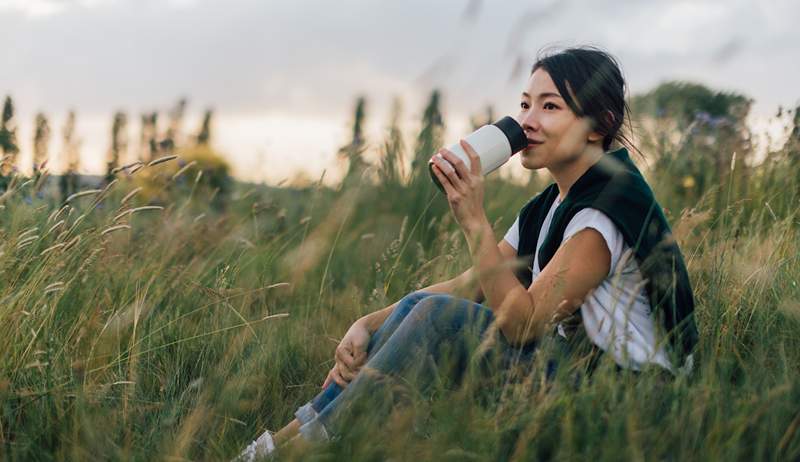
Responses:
[609,165]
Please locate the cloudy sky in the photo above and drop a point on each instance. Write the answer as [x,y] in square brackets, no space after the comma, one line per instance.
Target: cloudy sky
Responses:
[283,75]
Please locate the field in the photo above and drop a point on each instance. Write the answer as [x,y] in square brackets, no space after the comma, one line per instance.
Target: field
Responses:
[153,326]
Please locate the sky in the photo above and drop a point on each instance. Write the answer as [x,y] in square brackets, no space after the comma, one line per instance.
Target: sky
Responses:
[283,76]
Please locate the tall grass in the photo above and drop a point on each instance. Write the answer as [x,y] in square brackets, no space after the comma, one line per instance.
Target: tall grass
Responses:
[131,331]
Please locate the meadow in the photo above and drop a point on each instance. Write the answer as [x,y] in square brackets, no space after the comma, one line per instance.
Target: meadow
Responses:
[146,324]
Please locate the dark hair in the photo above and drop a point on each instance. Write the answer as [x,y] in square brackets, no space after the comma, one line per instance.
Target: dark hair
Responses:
[590,81]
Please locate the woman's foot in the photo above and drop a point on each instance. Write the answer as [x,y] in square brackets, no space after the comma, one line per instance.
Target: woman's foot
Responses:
[258,449]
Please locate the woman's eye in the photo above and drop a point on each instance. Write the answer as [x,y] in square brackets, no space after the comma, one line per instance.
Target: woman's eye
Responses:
[550,106]
[523,105]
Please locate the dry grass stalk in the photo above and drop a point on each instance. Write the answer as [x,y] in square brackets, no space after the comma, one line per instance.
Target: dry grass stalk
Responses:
[57,213]
[137,209]
[110,185]
[28,231]
[161,160]
[125,167]
[54,287]
[76,223]
[27,241]
[51,248]
[53,228]
[72,242]
[121,215]
[130,195]
[114,228]
[183,169]
[88,192]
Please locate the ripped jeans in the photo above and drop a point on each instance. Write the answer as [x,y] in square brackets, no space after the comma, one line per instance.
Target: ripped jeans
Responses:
[428,337]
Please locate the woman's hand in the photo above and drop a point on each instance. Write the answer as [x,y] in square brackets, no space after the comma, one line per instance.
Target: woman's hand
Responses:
[463,185]
[350,355]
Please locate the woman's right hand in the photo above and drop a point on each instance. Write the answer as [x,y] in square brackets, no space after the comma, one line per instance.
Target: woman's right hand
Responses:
[350,355]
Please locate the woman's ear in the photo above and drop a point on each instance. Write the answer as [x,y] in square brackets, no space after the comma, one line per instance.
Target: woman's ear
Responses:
[596,135]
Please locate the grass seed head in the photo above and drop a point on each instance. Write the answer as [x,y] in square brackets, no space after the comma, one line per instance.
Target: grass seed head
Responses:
[51,248]
[161,160]
[130,195]
[111,229]
[88,192]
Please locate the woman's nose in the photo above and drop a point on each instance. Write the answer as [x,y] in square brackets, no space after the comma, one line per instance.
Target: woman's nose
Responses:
[529,120]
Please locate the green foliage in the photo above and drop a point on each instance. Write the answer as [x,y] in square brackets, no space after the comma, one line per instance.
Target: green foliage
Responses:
[8,141]
[200,173]
[696,137]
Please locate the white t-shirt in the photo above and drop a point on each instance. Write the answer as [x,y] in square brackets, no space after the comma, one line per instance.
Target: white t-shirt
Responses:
[617,315]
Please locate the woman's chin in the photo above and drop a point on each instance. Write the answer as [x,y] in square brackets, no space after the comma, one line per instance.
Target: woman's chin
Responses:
[528,159]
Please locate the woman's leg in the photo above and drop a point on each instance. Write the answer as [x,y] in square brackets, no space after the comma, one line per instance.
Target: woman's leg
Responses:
[413,354]
[310,410]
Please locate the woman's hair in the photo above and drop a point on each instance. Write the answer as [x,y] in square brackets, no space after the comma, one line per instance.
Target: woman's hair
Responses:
[590,81]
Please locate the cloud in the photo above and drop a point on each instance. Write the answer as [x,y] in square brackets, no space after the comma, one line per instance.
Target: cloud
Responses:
[42,8]
[312,58]
[33,8]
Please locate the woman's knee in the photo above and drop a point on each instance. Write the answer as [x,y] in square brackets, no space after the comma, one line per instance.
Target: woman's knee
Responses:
[445,312]
[415,297]
[435,308]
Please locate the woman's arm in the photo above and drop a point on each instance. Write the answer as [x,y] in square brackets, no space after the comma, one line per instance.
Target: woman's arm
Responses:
[580,264]
[465,285]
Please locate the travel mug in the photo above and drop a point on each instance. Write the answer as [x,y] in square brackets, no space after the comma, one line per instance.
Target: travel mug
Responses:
[495,144]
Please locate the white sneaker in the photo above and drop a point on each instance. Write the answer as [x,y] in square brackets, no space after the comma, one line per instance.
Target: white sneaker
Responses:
[258,449]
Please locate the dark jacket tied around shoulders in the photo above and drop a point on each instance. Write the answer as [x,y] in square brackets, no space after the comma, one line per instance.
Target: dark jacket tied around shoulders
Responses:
[615,187]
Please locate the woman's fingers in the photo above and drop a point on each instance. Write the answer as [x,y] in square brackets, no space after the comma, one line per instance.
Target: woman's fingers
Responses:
[347,374]
[337,377]
[345,356]
[446,168]
[444,181]
[460,166]
[359,358]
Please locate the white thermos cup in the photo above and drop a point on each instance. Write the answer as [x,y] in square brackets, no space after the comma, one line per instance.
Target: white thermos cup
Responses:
[495,144]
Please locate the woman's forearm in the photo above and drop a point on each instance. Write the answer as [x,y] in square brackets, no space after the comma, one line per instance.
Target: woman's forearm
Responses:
[505,296]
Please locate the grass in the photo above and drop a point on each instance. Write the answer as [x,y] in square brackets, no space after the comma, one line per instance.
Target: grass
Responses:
[172,331]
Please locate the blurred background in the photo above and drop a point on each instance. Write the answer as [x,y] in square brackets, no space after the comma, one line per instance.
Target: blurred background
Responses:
[278,86]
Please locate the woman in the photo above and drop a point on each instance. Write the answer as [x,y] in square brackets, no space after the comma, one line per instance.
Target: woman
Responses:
[595,243]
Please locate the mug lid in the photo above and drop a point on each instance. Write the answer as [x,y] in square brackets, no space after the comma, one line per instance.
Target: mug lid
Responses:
[514,133]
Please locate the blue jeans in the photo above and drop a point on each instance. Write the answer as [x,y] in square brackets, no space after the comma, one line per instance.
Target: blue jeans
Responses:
[427,337]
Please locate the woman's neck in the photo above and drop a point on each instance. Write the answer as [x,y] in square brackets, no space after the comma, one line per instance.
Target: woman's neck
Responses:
[566,175]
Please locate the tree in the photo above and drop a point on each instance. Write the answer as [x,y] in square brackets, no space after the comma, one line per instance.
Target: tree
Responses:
[693,133]
[41,141]
[71,156]
[429,139]
[8,138]
[119,142]
[148,145]
[172,137]
[353,151]
[392,171]
[204,135]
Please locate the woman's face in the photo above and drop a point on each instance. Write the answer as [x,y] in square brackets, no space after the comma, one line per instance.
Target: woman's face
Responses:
[556,136]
